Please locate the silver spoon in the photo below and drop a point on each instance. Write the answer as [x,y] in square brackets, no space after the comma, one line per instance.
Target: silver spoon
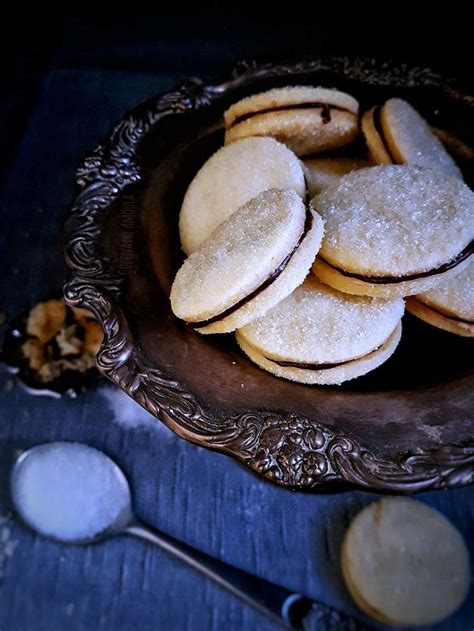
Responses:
[76,494]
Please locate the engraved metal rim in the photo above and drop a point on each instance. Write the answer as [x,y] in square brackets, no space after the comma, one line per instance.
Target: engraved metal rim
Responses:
[290,450]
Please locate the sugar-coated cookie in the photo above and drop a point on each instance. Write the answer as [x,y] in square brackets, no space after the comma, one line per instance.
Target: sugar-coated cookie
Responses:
[231,177]
[394,230]
[404,563]
[397,134]
[321,172]
[306,119]
[318,335]
[250,262]
[449,305]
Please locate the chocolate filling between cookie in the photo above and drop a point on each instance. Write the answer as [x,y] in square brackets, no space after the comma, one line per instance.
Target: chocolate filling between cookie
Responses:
[392,280]
[309,366]
[308,224]
[325,111]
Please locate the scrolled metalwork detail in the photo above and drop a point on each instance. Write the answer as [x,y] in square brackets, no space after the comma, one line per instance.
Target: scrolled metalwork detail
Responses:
[290,450]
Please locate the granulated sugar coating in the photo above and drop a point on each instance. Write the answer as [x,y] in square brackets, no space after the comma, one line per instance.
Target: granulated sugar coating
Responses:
[395,220]
[303,131]
[455,296]
[243,253]
[411,140]
[231,177]
[324,375]
[68,491]
[317,324]
[328,121]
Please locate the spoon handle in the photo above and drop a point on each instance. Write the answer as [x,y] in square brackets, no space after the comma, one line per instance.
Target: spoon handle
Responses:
[281,605]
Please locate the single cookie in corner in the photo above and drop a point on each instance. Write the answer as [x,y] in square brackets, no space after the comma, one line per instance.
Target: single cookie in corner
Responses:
[248,264]
[397,134]
[449,305]
[394,231]
[231,177]
[404,563]
[306,119]
[318,335]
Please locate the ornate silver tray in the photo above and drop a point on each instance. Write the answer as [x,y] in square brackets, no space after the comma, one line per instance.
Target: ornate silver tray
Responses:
[406,427]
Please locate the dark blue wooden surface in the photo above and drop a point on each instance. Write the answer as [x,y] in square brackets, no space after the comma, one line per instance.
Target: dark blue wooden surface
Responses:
[202,498]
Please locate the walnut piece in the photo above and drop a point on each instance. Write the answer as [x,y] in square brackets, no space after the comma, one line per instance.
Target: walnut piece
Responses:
[60,339]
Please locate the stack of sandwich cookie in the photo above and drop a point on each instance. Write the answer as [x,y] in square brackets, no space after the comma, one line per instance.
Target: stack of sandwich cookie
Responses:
[396,134]
[306,119]
[372,234]
[248,264]
[448,306]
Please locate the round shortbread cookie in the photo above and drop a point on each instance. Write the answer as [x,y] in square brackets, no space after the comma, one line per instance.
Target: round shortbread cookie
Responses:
[319,335]
[397,134]
[328,376]
[306,119]
[449,305]
[250,262]
[231,177]
[404,563]
[322,172]
[394,230]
